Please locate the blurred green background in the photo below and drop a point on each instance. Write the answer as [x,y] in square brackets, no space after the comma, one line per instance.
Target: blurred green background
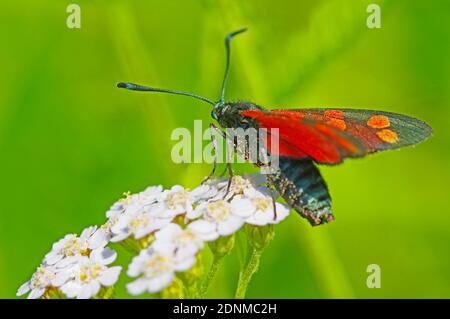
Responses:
[71,143]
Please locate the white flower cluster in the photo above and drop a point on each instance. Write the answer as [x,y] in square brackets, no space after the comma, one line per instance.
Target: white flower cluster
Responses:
[175,222]
[76,266]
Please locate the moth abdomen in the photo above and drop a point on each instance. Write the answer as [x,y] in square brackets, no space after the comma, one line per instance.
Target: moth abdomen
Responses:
[300,183]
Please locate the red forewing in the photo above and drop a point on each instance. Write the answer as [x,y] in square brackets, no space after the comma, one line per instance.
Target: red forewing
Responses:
[330,135]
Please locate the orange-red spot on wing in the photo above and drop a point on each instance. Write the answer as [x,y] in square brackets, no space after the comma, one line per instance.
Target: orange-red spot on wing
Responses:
[388,136]
[379,121]
[337,123]
[334,114]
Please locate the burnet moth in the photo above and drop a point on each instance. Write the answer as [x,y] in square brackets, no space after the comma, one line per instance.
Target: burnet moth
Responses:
[308,137]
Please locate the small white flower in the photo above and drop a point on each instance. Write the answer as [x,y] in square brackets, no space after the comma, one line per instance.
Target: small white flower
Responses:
[89,274]
[72,245]
[138,225]
[155,270]
[184,243]
[177,201]
[104,232]
[45,278]
[204,192]
[258,209]
[151,194]
[133,203]
[219,218]
[239,185]
[116,209]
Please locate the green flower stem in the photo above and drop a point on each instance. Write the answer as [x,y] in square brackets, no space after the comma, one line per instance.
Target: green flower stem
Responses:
[191,292]
[220,248]
[176,290]
[191,278]
[131,246]
[53,293]
[135,246]
[217,261]
[250,269]
[106,293]
[191,287]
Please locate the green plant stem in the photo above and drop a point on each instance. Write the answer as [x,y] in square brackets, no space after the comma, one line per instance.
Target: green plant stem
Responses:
[191,291]
[246,275]
[106,293]
[209,278]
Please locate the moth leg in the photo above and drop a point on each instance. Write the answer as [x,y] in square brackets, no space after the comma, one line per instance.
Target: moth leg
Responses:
[229,167]
[274,208]
[231,173]
[213,140]
[224,171]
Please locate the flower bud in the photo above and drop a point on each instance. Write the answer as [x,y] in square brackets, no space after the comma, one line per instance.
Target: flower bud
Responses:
[146,241]
[106,293]
[135,246]
[259,236]
[191,276]
[53,293]
[174,291]
[222,246]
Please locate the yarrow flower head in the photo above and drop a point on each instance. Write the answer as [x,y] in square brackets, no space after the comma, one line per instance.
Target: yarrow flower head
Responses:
[218,218]
[177,200]
[239,185]
[139,224]
[175,248]
[43,280]
[76,266]
[168,228]
[72,245]
[130,205]
[135,202]
[155,270]
[183,243]
[144,213]
[85,277]
[258,208]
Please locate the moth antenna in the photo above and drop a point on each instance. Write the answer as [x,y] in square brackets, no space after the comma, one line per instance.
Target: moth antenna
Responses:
[227,47]
[137,87]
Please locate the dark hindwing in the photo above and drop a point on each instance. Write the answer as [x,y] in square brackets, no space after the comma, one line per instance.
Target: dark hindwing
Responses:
[300,183]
